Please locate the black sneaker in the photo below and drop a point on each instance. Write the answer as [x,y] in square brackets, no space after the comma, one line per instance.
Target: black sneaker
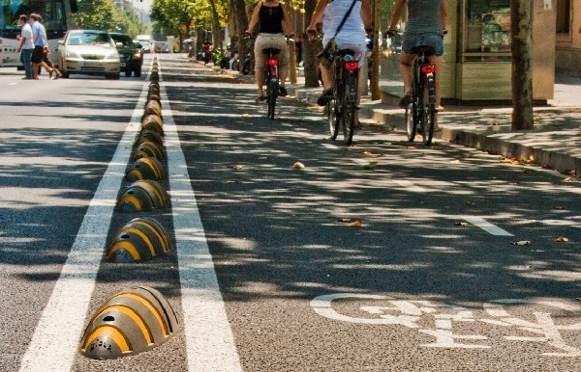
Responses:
[324,98]
[282,92]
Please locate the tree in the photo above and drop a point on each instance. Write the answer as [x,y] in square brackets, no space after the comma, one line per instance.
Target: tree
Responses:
[103,15]
[311,48]
[522,75]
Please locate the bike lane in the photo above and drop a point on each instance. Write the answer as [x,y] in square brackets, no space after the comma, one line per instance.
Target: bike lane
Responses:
[447,289]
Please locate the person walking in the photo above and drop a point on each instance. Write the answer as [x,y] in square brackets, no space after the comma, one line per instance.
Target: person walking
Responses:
[40,42]
[46,54]
[26,45]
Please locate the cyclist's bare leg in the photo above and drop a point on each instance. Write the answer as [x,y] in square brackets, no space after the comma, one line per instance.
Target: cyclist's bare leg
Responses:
[326,76]
[406,61]
[259,73]
[439,62]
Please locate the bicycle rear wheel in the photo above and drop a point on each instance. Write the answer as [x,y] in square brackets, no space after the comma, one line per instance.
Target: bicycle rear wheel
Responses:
[429,112]
[333,118]
[348,124]
[410,121]
[349,108]
[271,96]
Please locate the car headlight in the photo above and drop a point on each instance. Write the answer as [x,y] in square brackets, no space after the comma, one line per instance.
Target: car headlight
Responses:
[73,54]
[136,55]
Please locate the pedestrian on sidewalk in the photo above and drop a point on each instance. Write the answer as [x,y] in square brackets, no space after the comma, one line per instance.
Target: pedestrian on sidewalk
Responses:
[26,45]
[40,43]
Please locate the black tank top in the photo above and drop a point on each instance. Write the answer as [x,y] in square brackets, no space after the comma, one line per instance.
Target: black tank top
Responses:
[271,19]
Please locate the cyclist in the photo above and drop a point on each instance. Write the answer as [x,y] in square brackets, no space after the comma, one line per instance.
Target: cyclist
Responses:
[273,24]
[426,25]
[351,35]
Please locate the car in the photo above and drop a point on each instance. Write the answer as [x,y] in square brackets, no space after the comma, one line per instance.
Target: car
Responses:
[130,53]
[89,52]
[145,45]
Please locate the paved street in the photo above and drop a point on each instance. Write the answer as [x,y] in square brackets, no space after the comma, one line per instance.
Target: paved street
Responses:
[384,256]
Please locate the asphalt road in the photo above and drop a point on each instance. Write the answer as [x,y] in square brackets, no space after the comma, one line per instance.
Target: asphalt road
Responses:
[379,257]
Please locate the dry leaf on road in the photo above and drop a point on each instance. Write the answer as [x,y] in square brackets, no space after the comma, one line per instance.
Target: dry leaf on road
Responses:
[561,239]
[369,154]
[469,203]
[522,243]
[298,165]
[455,161]
[356,223]
[568,179]
[237,167]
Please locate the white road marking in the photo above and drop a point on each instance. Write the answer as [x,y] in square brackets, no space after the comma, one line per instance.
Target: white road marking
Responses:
[12,84]
[486,226]
[56,337]
[209,340]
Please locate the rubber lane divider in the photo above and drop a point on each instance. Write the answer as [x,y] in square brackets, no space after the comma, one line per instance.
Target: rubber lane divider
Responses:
[149,149]
[131,322]
[153,122]
[139,240]
[147,168]
[143,195]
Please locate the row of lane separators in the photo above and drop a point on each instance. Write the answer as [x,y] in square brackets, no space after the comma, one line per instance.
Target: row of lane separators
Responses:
[54,344]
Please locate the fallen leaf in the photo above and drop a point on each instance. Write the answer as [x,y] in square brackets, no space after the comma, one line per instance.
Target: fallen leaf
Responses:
[522,243]
[456,161]
[298,165]
[245,115]
[568,179]
[561,239]
[371,165]
[237,167]
[469,203]
[356,223]
[369,154]
[461,223]
[412,147]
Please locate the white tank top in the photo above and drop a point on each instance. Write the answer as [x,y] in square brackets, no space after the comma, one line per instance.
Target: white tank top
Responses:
[334,13]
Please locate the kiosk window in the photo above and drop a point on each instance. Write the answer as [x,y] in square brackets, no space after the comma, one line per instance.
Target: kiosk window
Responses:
[487,27]
[563,16]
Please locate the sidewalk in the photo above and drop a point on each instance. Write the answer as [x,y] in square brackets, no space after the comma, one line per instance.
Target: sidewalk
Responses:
[554,143]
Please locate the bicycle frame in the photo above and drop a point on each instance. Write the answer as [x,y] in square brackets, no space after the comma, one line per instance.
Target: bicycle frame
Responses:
[272,80]
[341,109]
[423,107]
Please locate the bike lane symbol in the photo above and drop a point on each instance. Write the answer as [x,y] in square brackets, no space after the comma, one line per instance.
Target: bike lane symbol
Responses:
[407,313]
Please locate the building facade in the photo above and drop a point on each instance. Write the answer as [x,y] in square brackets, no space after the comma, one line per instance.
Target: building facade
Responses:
[568,59]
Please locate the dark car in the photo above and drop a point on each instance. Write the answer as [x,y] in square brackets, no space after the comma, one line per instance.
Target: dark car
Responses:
[130,53]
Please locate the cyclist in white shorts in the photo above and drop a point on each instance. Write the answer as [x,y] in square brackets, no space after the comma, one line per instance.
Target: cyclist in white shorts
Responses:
[351,35]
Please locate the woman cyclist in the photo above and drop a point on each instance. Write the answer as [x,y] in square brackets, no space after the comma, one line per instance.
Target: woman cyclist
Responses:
[273,24]
[426,25]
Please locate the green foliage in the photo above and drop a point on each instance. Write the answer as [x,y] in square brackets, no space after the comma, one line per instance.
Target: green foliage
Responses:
[176,17]
[103,15]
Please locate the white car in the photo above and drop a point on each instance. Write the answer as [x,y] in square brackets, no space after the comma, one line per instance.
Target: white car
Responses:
[89,52]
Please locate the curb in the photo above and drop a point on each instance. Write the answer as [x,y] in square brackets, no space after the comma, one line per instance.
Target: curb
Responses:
[392,117]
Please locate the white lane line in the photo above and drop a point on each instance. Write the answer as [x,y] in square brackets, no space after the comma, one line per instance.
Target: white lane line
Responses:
[209,340]
[55,341]
[486,226]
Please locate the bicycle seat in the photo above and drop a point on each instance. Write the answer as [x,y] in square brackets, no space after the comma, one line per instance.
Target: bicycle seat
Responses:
[344,52]
[426,50]
[270,51]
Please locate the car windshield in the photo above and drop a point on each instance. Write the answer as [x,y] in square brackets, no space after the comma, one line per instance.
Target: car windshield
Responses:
[89,38]
[123,39]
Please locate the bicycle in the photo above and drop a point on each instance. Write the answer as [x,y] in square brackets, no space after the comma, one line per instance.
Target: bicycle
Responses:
[342,106]
[421,114]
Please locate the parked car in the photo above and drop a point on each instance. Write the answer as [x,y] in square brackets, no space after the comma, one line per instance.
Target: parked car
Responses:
[88,52]
[145,45]
[130,53]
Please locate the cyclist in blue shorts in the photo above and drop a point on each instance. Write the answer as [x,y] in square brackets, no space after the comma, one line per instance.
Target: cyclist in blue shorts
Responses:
[426,25]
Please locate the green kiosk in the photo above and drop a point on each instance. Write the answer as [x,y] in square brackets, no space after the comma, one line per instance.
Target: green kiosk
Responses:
[477,53]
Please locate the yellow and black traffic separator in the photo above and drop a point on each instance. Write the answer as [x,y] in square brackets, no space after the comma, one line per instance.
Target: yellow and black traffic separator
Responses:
[139,240]
[149,149]
[151,135]
[143,195]
[134,320]
[153,107]
[148,168]
[152,122]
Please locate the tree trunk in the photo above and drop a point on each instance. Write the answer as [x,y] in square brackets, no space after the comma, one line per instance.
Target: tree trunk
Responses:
[311,48]
[522,74]
[239,19]
[375,91]
[216,34]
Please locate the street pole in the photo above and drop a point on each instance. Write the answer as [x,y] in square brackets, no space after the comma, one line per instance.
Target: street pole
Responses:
[375,91]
